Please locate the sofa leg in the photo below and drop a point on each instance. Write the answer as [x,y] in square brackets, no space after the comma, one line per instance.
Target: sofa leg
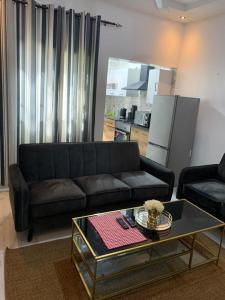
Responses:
[30,235]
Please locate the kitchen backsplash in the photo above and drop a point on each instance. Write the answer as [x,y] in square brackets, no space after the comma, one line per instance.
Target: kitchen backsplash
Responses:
[113,104]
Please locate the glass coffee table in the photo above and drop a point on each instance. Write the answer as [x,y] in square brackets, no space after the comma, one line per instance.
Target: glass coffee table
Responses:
[186,245]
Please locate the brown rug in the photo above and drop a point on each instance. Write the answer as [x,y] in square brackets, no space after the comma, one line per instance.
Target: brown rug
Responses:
[46,272]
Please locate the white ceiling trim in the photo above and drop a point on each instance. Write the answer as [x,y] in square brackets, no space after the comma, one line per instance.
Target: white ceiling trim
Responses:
[191,10]
[175,4]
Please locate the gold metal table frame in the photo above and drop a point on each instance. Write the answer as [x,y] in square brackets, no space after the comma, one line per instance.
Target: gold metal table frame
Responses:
[87,261]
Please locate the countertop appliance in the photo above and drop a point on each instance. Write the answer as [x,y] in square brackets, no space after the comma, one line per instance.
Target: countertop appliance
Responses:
[172,131]
[129,117]
[123,112]
[131,114]
[133,110]
[142,118]
[122,131]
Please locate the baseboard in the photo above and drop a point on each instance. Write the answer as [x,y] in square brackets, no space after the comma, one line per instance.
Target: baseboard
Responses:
[4,189]
[2,277]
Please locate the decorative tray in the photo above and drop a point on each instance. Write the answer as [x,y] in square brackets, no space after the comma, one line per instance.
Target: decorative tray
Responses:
[164,221]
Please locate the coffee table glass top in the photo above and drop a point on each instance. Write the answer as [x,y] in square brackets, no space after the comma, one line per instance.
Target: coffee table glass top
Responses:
[187,219]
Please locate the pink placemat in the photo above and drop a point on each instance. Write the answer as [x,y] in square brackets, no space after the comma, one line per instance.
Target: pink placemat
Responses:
[112,234]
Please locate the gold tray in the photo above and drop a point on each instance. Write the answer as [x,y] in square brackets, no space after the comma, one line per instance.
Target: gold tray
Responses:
[164,221]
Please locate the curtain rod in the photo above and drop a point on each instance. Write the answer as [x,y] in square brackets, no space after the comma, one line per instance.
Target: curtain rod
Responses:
[104,22]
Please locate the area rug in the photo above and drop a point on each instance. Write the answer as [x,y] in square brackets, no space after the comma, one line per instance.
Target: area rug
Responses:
[45,271]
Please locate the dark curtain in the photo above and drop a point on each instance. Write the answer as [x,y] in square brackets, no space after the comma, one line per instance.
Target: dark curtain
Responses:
[57,55]
[56,60]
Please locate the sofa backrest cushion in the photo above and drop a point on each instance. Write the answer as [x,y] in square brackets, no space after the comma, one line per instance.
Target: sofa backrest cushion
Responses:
[221,168]
[70,160]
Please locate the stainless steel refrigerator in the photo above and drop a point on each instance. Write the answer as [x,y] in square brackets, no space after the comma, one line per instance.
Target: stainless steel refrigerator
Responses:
[172,131]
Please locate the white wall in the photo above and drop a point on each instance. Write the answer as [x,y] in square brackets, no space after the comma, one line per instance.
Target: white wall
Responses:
[142,38]
[201,73]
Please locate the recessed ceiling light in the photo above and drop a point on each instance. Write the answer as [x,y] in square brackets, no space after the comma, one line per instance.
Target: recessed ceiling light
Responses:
[182,17]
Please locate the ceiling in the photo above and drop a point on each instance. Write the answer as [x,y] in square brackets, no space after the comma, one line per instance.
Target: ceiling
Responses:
[192,10]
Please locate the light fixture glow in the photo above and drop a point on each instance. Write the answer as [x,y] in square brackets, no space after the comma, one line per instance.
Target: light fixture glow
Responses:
[182,17]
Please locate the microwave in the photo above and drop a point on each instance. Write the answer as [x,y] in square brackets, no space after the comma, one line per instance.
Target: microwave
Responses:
[142,118]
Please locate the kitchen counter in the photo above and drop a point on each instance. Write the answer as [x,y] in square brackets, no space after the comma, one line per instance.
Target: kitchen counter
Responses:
[134,132]
[110,118]
[140,134]
[127,122]
[108,129]
[140,127]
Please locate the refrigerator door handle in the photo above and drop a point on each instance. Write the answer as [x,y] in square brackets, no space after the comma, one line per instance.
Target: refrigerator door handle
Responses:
[157,154]
[156,145]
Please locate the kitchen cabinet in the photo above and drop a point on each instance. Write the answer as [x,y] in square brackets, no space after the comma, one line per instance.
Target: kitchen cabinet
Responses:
[116,80]
[141,136]
[120,74]
[109,130]
[159,83]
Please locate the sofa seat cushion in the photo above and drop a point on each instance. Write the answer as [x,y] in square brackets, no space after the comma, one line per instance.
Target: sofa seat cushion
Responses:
[53,196]
[209,194]
[144,186]
[103,189]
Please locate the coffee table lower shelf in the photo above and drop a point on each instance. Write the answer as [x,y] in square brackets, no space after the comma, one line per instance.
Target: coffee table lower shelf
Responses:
[107,276]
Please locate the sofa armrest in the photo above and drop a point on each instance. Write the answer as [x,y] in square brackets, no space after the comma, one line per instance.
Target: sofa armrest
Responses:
[19,198]
[158,171]
[196,173]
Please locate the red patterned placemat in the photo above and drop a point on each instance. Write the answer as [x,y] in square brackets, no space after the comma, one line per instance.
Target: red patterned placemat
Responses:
[112,234]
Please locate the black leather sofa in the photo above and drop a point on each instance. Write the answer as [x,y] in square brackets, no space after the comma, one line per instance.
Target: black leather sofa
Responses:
[81,178]
[205,187]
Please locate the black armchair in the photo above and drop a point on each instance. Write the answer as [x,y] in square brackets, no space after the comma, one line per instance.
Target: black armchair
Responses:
[205,187]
